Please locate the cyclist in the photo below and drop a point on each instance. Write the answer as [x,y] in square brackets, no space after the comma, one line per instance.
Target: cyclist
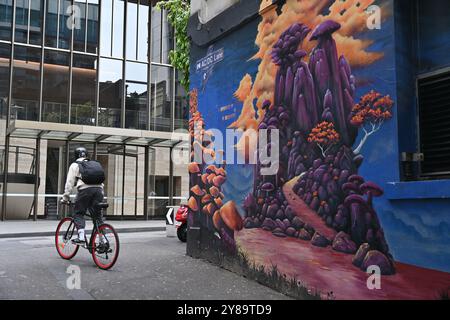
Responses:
[87,177]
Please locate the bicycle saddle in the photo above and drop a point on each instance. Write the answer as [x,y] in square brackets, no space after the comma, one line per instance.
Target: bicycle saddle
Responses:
[102,205]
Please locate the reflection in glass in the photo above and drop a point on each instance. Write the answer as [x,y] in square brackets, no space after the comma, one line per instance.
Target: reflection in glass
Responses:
[84,76]
[181,116]
[143,31]
[118,26]
[162,36]
[64,31]
[51,24]
[110,93]
[4,76]
[136,95]
[106,28]
[132,11]
[136,106]
[161,98]
[36,9]
[5,19]
[92,27]
[55,87]
[26,83]
[79,32]
[21,21]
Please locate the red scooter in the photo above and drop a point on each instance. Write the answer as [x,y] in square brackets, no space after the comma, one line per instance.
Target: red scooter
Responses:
[181,223]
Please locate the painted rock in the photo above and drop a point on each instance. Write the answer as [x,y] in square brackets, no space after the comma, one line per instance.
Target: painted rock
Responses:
[360,254]
[289,212]
[272,210]
[280,224]
[343,243]
[377,258]
[304,235]
[309,228]
[279,233]
[297,223]
[269,224]
[290,231]
[319,241]
[280,214]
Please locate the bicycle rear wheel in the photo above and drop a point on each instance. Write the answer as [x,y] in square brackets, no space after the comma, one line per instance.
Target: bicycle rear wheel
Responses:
[105,247]
[63,239]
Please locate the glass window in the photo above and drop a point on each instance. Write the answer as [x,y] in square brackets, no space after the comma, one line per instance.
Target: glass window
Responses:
[118,26]
[110,93]
[161,98]
[51,23]
[143,31]
[26,83]
[132,20]
[84,83]
[5,19]
[36,9]
[106,28]
[5,51]
[92,26]
[162,36]
[79,33]
[21,21]
[65,32]
[55,87]
[181,105]
[136,96]
[29,21]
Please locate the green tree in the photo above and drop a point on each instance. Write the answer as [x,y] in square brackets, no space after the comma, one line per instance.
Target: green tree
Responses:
[178,12]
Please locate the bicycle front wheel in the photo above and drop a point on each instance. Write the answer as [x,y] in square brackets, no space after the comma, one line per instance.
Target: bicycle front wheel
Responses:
[105,247]
[65,231]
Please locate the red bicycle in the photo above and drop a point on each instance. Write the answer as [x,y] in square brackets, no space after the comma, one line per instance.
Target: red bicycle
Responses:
[103,243]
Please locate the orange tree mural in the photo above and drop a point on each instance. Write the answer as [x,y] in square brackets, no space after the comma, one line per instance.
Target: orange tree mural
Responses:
[370,113]
[324,136]
[313,108]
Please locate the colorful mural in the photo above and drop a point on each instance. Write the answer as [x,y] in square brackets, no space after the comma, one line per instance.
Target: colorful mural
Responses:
[313,228]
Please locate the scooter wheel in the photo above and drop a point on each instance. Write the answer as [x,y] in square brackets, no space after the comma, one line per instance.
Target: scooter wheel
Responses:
[182,233]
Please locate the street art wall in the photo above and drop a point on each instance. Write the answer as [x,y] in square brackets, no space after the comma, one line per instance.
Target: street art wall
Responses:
[313,72]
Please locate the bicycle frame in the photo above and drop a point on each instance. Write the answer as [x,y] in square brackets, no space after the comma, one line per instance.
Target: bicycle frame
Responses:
[96,228]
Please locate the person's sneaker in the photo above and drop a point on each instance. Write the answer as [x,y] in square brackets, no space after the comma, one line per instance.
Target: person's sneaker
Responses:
[78,242]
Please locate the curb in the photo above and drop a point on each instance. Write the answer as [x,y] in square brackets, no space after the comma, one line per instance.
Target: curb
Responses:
[52,233]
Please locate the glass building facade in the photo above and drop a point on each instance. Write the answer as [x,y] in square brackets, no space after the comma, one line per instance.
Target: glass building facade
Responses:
[89,62]
[100,63]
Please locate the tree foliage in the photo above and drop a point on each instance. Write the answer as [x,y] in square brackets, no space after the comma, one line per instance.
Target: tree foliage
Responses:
[178,12]
[325,136]
[370,113]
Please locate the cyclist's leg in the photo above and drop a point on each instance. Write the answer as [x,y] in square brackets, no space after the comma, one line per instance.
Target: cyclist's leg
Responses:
[82,202]
[97,197]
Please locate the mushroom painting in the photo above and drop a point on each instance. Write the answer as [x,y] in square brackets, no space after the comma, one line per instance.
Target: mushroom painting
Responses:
[314,110]
[316,79]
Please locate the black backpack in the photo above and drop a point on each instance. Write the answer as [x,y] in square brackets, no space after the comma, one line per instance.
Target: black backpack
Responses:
[91,172]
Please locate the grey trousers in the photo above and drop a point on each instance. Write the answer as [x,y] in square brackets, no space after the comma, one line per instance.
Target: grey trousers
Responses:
[86,199]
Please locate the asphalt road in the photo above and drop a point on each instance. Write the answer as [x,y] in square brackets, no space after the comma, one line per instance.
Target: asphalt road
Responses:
[150,266]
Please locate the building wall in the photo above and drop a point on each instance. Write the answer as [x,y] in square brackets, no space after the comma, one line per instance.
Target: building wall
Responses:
[208,9]
[114,72]
[316,221]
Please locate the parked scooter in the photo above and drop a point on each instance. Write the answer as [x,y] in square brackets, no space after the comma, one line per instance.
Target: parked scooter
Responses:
[181,223]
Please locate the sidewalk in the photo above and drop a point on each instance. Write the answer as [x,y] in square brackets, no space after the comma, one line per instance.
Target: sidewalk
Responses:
[45,228]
